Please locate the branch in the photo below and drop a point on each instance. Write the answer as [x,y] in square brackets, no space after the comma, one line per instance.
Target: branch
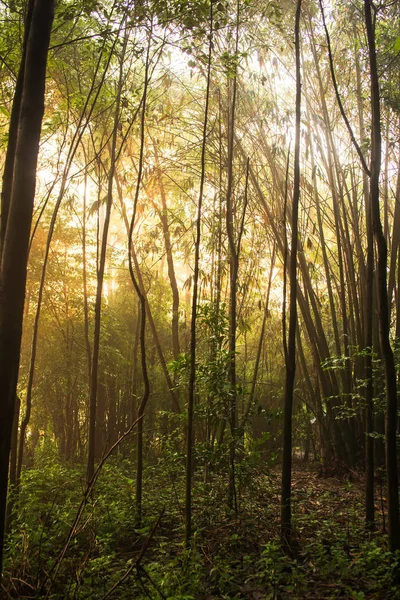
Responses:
[339,101]
[88,490]
[136,565]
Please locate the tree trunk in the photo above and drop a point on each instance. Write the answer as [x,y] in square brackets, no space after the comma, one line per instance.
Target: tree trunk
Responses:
[233,272]
[383,317]
[8,172]
[16,241]
[141,298]
[286,511]
[149,315]
[260,344]
[92,451]
[163,212]
[192,375]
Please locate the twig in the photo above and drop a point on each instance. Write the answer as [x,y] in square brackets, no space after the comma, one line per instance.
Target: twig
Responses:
[153,583]
[144,587]
[73,528]
[339,100]
[137,564]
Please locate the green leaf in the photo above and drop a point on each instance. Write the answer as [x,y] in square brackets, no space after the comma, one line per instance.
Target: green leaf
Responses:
[5,112]
[396,45]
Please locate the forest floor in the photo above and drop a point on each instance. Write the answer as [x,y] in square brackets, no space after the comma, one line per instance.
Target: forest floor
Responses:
[231,558]
[334,556]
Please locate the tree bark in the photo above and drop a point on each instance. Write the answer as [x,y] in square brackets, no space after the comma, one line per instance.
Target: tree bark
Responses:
[383,317]
[192,375]
[286,511]
[233,274]
[8,171]
[16,240]
[141,298]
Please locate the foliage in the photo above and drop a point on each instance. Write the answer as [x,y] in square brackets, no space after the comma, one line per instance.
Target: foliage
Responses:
[227,560]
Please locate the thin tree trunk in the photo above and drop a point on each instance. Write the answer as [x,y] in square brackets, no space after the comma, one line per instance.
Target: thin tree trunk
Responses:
[170,260]
[383,317]
[260,343]
[286,510]
[234,270]
[84,278]
[369,387]
[92,450]
[192,375]
[149,315]
[141,298]
[395,243]
[368,286]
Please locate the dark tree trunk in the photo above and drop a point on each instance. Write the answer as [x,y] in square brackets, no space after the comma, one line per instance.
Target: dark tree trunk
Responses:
[84,277]
[13,134]
[233,273]
[384,325]
[141,299]
[286,512]
[16,240]
[192,375]
[92,451]
[369,384]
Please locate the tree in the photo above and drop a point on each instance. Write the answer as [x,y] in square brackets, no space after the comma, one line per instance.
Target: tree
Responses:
[141,297]
[290,358]
[192,375]
[101,266]
[17,230]
[383,315]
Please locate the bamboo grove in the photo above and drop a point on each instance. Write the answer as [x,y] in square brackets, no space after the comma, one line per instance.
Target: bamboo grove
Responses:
[213,248]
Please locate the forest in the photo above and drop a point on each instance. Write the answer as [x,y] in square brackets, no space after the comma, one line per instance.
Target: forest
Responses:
[199,299]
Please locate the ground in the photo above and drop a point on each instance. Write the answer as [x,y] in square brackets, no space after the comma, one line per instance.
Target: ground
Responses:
[232,557]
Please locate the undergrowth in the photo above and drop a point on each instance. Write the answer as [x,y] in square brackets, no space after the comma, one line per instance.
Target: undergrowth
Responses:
[232,557]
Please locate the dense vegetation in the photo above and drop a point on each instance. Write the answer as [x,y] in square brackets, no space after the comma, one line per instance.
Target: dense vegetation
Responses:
[200,237]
